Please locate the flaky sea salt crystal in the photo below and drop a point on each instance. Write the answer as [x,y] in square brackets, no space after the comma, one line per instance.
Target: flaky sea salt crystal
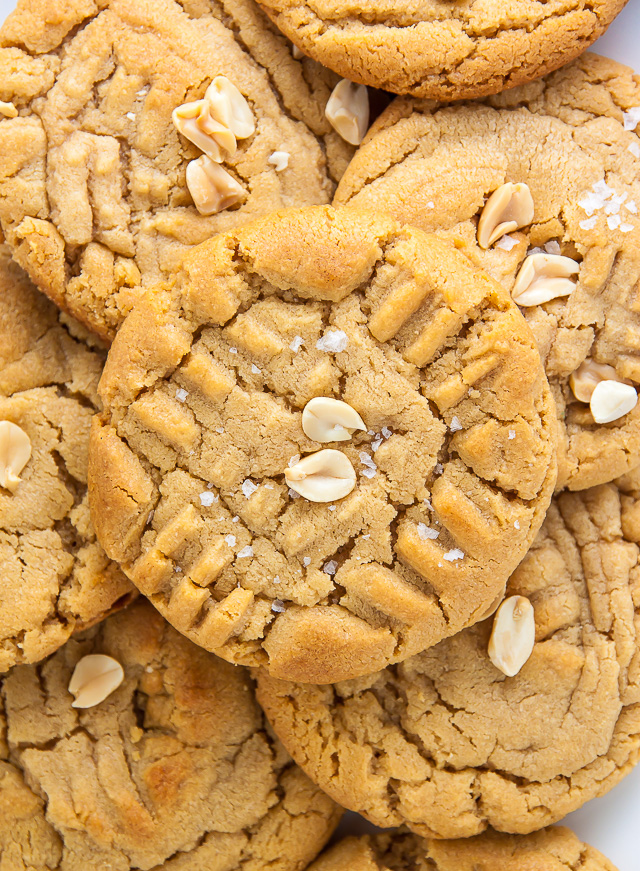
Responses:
[386,432]
[332,507]
[293,494]
[375,444]
[438,468]
[181,394]
[517,524]
[589,223]
[512,433]
[601,188]
[306,561]
[330,568]
[255,369]
[506,243]
[276,579]
[631,207]
[626,228]
[245,552]
[220,429]
[613,222]
[455,424]
[431,204]
[294,460]
[333,341]
[277,605]
[425,532]
[235,519]
[454,554]
[552,247]
[248,487]
[367,461]
[631,118]
[207,499]
[634,148]
[367,536]
[296,344]
[230,539]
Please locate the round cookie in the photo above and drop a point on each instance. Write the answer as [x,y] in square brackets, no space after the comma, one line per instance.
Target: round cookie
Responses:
[93,190]
[571,139]
[203,396]
[553,849]
[55,577]
[448,745]
[438,49]
[175,769]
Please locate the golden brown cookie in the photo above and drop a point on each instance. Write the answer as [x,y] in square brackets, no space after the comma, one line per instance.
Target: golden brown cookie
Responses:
[553,849]
[447,744]
[417,517]
[570,138]
[439,49]
[93,187]
[174,769]
[54,577]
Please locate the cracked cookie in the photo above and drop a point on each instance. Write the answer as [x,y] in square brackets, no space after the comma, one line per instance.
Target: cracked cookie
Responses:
[442,50]
[175,769]
[95,194]
[570,138]
[553,849]
[55,577]
[447,744]
[221,398]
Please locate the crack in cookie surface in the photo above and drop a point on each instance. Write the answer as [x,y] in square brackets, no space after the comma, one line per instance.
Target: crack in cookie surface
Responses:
[448,745]
[453,475]
[433,166]
[94,198]
[56,579]
[176,769]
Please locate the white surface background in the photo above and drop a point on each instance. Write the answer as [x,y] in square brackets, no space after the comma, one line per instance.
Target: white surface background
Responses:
[612,823]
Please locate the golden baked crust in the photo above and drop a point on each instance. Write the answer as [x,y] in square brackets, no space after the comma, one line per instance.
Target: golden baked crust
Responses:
[553,849]
[93,196]
[448,745]
[433,166]
[442,50]
[203,392]
[175,769]
[55,578]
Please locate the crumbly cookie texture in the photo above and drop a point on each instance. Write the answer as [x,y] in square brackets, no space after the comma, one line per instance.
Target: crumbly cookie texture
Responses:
[571,139]
[175,769]
[55,577]
[204,393]
[93,189]
[448,745]
[441,50]
[553,849]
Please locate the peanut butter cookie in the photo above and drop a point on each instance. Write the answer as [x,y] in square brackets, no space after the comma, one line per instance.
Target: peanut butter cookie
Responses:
[55,578]
[562,152]
[439,49]
[173,768]
[100,191]
[553,849]
[326,447]
[448,744]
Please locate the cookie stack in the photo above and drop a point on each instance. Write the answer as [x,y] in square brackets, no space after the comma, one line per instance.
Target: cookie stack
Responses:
[349,411]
